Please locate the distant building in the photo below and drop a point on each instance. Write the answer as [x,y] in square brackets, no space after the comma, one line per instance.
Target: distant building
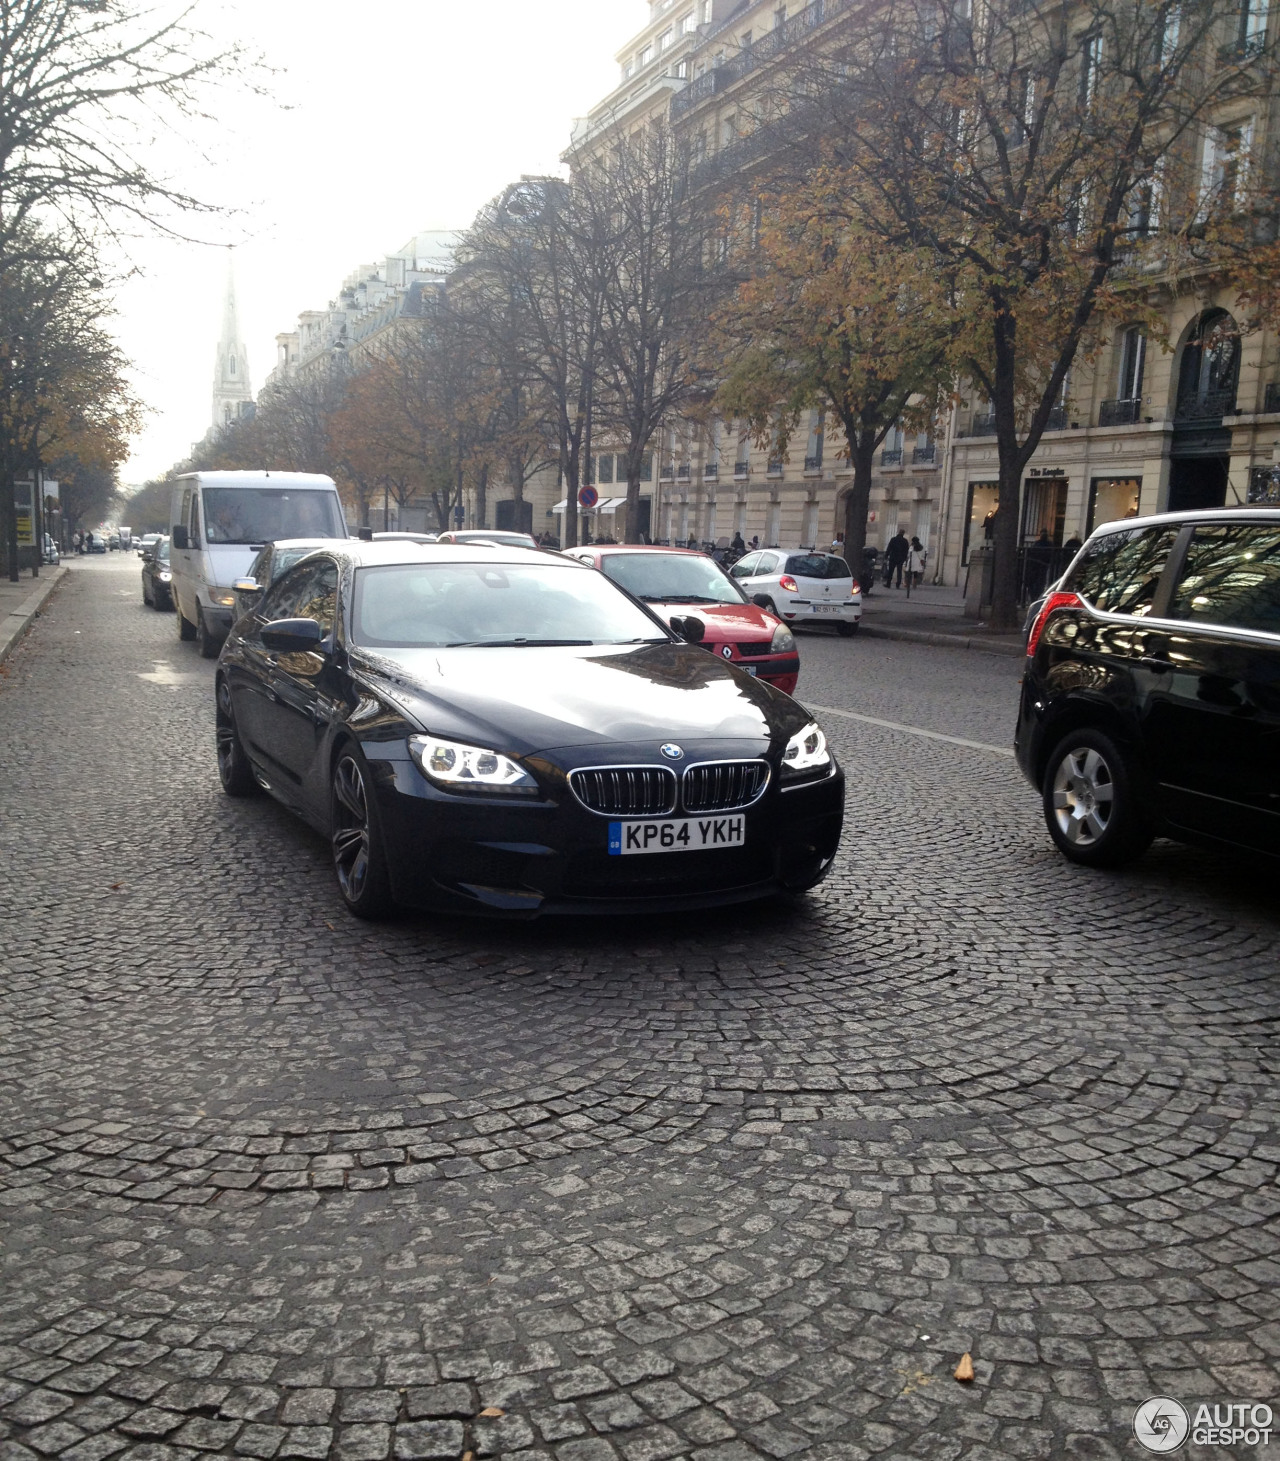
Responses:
[232,390]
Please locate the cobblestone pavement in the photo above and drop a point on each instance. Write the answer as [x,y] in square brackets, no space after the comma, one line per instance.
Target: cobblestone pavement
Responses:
[277,1184]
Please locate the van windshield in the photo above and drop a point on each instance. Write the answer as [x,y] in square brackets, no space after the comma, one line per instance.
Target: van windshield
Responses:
[263,514]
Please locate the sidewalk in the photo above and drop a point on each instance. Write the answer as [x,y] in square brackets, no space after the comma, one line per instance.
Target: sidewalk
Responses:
[20,604]
[934,614]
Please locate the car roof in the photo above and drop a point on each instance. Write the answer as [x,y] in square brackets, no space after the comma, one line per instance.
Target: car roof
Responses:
[610,548]
[379,555]
[259,479]
[1258,513]
[302,542]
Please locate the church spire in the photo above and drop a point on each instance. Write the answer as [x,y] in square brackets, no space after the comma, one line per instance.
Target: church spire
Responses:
[232,392]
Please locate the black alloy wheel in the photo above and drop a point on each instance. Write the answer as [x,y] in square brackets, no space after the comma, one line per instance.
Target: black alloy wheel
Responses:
[234,770]
[359,862]
[1091,805]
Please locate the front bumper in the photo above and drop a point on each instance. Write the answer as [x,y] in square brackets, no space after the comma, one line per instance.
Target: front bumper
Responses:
[518,859]
[218,619]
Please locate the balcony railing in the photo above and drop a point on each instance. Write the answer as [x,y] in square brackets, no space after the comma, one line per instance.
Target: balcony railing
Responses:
[711,472]
[1124,411]
[741,469]
[922,456]
[1246,48]
[813,463]
[683,472]
[1271,396]
[1210,407]
[1057,419]
[891,456]
[775,467]
[762,50]
[668,471]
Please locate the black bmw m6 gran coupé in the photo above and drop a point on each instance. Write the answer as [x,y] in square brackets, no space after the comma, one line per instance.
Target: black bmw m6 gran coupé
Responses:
[505,731]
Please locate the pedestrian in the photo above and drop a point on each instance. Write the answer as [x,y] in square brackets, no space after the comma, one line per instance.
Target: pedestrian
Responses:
[837,545]
[692,543]
[895,557]
[754,544]
[1039,559]
[916,560]
[1073,545]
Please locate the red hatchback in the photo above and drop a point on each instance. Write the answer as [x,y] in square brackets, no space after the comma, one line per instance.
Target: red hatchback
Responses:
[679,583]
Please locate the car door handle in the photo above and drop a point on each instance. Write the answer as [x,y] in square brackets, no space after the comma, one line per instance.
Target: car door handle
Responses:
[1160,666]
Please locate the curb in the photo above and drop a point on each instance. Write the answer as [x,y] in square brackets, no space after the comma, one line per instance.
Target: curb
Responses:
[15,624]
[945,641]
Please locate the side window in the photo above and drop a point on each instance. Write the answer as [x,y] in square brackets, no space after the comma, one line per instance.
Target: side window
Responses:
[282,599]
[1119,572]
[186,508]
[194,523]
[318,596]
[768,563]
[745,567]
[1231,577]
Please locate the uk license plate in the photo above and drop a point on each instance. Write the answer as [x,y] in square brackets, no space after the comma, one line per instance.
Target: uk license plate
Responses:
[676,834]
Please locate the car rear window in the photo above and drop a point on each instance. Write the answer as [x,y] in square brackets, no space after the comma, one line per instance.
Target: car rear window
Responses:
[1119,572]
[1231,577]
[817,565]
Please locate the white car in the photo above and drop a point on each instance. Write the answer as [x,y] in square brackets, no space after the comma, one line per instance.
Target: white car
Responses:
[802,586]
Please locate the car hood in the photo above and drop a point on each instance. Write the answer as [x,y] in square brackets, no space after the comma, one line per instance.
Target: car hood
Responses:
[724,621]
[534,700]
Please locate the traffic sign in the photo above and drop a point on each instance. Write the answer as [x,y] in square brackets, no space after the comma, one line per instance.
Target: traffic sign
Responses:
[588,497]
[459,514]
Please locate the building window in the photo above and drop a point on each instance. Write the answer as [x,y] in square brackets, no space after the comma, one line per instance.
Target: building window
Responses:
[1133,359]
[666,39]
[1224,167]
[1090,66]
[232,364]
[780,17]
[688,24]
[646,55]
[706,12]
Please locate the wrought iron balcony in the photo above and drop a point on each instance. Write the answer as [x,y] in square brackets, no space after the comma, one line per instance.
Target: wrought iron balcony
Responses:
[684,472]
[667,471]
[1124,411]
[1057,419]
[922,456]
[741,469]
[891,456]
[775,467]
[814,463]
[711,472]
[1271,396]
[1244,48]
[1210,407]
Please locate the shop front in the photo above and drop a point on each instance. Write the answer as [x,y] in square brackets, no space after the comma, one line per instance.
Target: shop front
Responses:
[1111,499]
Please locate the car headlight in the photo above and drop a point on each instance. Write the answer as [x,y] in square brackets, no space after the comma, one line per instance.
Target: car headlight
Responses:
[224,598]
[806,753]
[469,768]
[783,640]
[164,577]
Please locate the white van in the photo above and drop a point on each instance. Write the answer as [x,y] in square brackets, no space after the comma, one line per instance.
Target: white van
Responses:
[220,522]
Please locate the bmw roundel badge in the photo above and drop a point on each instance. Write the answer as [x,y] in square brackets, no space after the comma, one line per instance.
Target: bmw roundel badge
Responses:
[672,753]
[727,651]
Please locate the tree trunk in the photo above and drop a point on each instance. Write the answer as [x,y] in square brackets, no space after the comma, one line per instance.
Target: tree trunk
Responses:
[482,497]
[856,505]
[1004,542]
[632,534]
[9,517]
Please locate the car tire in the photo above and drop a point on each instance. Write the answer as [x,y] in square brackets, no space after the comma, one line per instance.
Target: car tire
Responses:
[205,642]
[1091,803]
[145,599]
[846,631]
[186,629]
[234,770]
[355,839]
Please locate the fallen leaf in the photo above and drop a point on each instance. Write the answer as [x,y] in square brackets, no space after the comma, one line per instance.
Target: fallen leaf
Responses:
[491,1412]
[330,926]
[115,887]
[964,1370]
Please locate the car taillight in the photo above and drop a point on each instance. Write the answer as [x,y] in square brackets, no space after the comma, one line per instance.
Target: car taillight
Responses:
[789,583]
[854,589]
[1054,601]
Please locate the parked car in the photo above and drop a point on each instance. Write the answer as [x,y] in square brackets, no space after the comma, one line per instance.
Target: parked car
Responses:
[157,580]
[802,586]
[679,584]
[50,556]
[401,537]
[95,542]
[500,538]
[495,731]
[113,542]
[1151,699]
[221,521]
[147,541]
[270,563]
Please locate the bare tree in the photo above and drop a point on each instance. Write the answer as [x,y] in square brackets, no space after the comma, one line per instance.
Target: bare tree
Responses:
[84,87]
[1050,158]
[659,279]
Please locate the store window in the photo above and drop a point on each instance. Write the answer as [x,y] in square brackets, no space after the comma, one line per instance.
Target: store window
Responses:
[1112,499]
[984,499]
[1264,486]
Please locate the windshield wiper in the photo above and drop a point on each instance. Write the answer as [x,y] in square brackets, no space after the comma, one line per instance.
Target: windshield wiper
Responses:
[679,599]
[515,643]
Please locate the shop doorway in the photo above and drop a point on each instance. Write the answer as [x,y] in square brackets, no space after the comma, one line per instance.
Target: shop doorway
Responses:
[984,499]
[1198,482]
[1044,508]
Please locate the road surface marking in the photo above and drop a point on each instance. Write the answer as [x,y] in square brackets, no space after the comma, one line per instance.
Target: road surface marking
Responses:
[913,730]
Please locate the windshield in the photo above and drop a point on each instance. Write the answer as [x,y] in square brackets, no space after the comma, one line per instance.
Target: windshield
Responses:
[261,514]
[161,551]
[286,557]
[438,605]
[672,578]
[817,565]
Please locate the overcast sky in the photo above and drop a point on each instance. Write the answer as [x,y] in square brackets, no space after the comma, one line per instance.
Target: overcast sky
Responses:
[394,119]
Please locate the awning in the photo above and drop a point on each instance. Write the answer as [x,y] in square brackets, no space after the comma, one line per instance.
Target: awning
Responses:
[606,504]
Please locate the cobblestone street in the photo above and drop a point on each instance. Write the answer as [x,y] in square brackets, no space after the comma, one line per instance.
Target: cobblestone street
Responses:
[274,1183]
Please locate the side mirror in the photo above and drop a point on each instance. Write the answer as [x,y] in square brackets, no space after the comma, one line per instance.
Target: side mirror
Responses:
[247,586]
[179,536]
[365,535]
[691,629]
[762,601]
[292,636]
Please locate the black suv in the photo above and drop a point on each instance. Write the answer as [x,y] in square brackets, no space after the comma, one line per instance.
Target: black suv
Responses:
[1151,700]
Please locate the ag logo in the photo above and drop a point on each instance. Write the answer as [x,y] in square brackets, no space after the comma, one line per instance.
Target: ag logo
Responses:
[1161,1424]
[727,651]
